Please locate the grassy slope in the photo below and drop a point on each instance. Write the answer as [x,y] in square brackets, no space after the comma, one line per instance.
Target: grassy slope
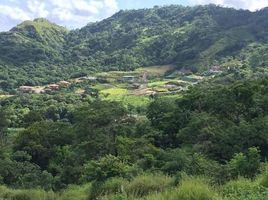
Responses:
[154,187]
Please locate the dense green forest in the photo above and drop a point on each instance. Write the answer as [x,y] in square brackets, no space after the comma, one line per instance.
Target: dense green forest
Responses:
[212,135]
[189,37]
[206,141]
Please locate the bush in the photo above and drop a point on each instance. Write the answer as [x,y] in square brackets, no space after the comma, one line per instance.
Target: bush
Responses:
[189,189]
[105,168]
[10,194]
[21,196]
[246,165]
[75,192]
[166,195]
[118,197]
[114,185]
[146,184]
[195,189]
[244,189]
[263,179]
[4,192]
[109,187]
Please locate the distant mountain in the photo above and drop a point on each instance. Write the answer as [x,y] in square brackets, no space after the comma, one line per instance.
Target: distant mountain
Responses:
[191,37]
[32,41]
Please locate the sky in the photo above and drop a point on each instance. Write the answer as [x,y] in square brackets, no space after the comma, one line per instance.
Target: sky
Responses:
[77,13]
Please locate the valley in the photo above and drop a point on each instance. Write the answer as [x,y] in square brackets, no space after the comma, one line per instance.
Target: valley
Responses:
[162,103]
[135,88]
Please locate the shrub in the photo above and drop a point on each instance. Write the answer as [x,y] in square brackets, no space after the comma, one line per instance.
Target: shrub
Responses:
[189,189]
[247,165]
[166,195]
[10,194]
[195,189]
[105,168]
[114,185]
[263,179]
[121,189]
[244,189]
[146,184]
[109,187]
[4,192]
[117,197]
[75,192]
[21,196]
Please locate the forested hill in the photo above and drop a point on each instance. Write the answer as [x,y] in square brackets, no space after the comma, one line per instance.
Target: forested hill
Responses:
[32,41]
[38,51]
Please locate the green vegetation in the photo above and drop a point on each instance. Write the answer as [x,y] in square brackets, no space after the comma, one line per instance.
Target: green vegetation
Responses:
[208,142]
[160,70]
[150,188]
[115,91]
[194,38]
[118,131]
[157,83]
[36,194]
[195,189]
[131,100]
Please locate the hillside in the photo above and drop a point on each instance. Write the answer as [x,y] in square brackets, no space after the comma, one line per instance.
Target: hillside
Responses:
[183,35]
[32,41]
[38,52]
[165,103]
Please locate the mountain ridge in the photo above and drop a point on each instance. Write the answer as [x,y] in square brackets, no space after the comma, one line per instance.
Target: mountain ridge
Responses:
[189,37]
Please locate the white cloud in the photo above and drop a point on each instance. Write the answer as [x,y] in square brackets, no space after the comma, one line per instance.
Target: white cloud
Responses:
[37,8]
[70,13]
[14,13]
[77,13]
[111,4]
[252,5]
[83,8]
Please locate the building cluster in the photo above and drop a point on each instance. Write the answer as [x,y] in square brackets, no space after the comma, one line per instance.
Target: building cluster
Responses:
[46,89]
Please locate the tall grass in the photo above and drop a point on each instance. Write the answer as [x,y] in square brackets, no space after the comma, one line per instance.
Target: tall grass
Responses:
[75,193]
[108,188]
[33,194]
[189,189]
[244,189]
[140,186]
[146,184]
[151,187]
[263,177]
[196,189]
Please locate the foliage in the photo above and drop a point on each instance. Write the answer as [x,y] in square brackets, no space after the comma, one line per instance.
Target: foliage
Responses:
[190,189]
[107,167]
[75,192]
[39,52]
[6,193]
[109,144]
[147,184]
[245,165]
[244,189]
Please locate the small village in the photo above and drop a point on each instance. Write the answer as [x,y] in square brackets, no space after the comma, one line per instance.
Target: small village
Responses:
[148,81]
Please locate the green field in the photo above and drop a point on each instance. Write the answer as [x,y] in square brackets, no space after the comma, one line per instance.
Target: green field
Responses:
[157,83]
[114,91]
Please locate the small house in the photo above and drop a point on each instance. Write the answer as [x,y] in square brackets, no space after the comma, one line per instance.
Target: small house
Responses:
[89,78]
[53,87]
[185,71]
[47,90]
[215,69]
[128,78]
[135,86]
[26,89]
[64,83]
